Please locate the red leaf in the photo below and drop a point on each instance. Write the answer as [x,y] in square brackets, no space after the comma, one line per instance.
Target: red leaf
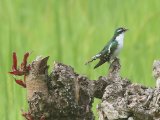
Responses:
[23,70]
[28,67]
[21,83]
[28,116]
[14,66]
[18,73]
[24,63]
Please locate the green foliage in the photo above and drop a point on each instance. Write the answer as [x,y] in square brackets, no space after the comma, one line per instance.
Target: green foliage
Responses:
[72,31]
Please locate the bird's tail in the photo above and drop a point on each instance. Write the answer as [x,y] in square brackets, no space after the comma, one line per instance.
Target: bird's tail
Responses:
[99,63]
[93,58]
[89,61]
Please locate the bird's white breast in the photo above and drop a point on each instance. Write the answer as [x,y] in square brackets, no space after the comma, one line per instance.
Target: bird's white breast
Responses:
[119,39]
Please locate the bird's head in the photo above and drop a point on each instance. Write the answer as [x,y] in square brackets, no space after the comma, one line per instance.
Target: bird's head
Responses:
[119,31]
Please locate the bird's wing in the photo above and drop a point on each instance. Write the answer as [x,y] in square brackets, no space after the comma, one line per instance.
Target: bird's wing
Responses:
[109,49]
[106,53]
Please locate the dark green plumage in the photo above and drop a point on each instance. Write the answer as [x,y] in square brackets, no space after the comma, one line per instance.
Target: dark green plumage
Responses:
[106,52]
[111,49]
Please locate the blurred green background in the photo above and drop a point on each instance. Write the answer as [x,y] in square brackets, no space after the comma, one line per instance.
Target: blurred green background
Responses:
[72,31]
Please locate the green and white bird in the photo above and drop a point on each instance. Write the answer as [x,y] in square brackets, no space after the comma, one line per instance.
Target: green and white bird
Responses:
[112,48]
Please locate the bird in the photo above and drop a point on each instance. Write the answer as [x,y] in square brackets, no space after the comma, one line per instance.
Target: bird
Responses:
[112,49]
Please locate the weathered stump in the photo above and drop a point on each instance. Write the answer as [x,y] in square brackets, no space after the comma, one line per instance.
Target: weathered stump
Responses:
[66,95]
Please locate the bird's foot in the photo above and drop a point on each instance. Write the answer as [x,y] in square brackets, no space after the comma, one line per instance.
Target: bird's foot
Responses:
[115,65]
[116,59]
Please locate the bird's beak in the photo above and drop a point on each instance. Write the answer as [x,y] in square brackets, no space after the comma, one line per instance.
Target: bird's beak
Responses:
[125,30]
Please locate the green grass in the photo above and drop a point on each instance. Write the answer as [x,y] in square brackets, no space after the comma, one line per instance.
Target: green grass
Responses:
[71,31]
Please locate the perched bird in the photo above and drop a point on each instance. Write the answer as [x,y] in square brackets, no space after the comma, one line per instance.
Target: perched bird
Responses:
[111,49]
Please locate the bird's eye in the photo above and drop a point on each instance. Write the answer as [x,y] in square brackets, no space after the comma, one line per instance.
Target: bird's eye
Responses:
[119,30]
